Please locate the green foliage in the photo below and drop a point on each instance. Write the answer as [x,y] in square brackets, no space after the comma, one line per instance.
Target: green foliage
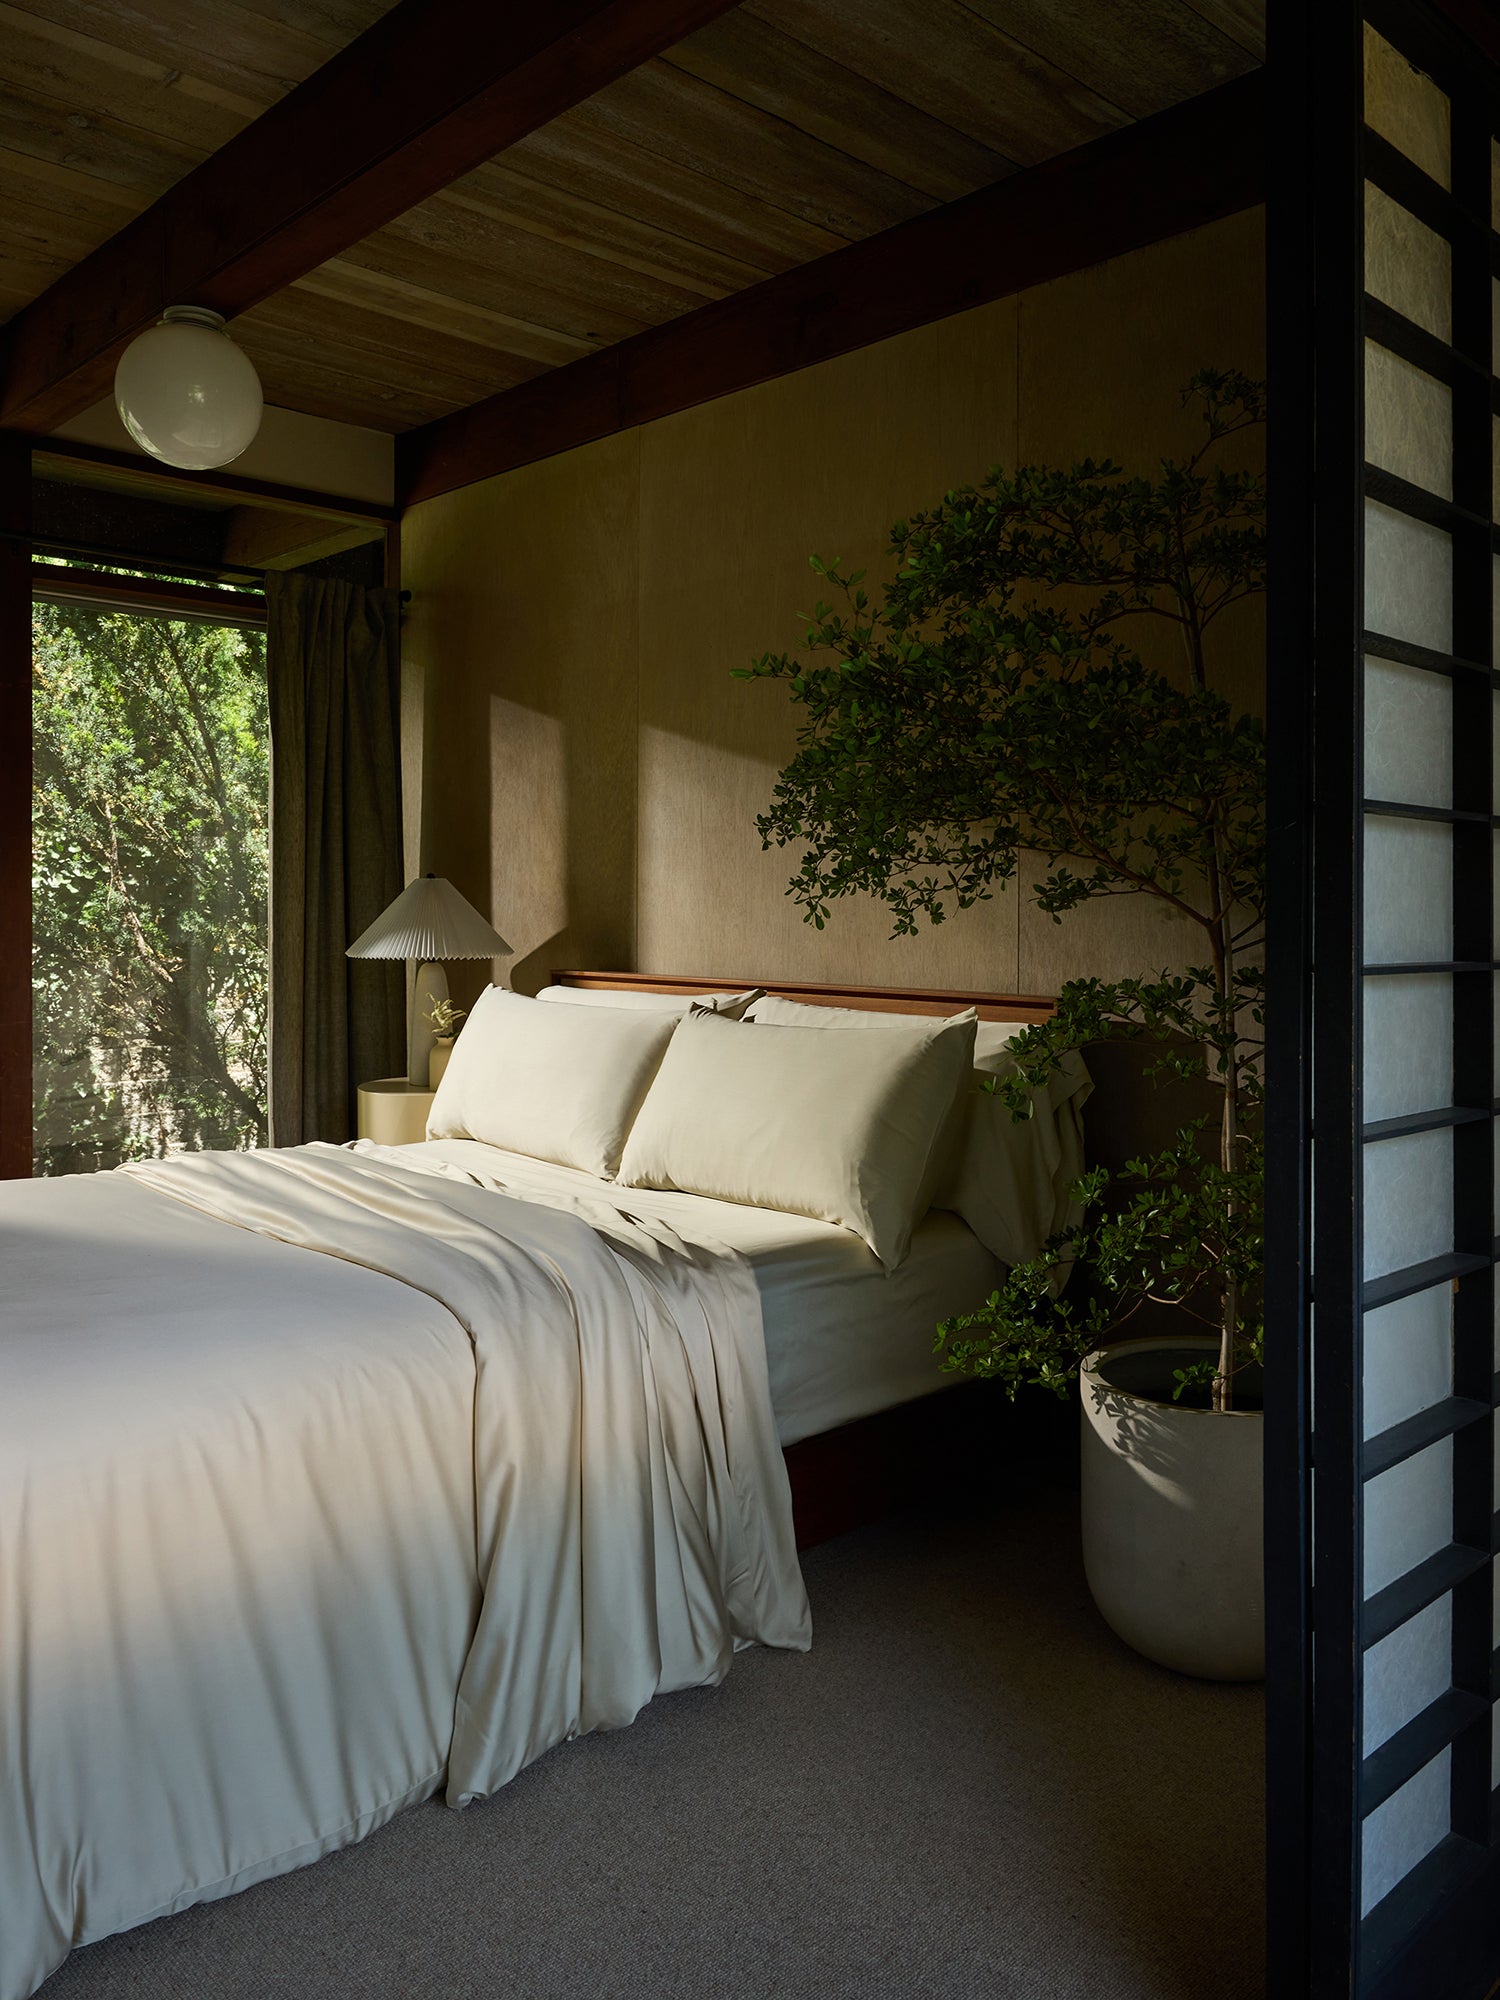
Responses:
[445,1017]
[150,884]
[995,704]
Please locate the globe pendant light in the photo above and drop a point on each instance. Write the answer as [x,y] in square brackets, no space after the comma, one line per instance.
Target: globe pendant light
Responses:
[186,393]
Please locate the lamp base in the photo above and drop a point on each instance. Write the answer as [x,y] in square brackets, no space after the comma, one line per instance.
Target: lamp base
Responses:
[430,984]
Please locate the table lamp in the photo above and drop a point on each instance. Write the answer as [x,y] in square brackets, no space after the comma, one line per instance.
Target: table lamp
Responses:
[428,921]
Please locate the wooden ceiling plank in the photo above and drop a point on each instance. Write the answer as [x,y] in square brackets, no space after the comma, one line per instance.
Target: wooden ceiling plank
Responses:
[140,96]
[1244,21]
[255,57]
[478,236]
[383,347]
[943,58]
[749,59]
[389,120]
[108,151]
[318,387]
[419,305]
[693,124]
[1141,54]
[576,153]
[1185,167]
[67,189]
[615,239]
[451,276]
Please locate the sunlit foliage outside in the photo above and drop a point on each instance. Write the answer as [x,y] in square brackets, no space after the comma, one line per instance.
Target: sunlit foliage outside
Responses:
[149,887]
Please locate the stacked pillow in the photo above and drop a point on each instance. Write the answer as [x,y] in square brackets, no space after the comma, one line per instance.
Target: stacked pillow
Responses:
[1009,1181]
[859,1119]
[556,1083]
[833,1123]
[732,1004]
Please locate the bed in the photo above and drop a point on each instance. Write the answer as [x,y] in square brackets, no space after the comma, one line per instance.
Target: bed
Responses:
[289,1541]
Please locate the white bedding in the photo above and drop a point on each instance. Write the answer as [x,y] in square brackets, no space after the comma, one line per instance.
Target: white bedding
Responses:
[844,1337]
[290,1540]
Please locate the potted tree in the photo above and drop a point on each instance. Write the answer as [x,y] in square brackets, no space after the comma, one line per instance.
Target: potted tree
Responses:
[995,705]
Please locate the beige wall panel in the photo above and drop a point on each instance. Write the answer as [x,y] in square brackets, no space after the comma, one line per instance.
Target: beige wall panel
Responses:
[588,753]
[735,496]
[1105,354]
[523,619]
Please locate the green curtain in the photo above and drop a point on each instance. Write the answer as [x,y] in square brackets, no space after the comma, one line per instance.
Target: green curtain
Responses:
[333,663]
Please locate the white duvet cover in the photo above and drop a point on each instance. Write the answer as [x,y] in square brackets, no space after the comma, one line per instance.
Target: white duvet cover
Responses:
[290,1540]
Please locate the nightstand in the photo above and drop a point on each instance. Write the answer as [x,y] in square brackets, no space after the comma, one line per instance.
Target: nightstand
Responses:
[392,1111]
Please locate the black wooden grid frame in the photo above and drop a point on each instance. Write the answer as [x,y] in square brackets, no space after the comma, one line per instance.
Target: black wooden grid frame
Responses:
[1437,1933]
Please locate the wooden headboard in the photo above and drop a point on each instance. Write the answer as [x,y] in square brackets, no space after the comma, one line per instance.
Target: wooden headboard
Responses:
[1126,1114]
[887,999]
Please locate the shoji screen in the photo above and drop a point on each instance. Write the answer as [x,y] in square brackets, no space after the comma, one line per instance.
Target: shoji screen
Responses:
[1399,1293]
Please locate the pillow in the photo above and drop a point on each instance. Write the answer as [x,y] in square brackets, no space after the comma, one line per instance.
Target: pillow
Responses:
[557,1083]
[771,1012]
[1009,1180]
[732,1004]
[828,1122]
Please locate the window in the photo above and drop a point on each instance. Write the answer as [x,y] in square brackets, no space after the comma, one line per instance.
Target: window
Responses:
[149,883]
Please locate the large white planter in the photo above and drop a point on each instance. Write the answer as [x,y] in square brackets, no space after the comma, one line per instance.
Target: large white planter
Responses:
[1172,1539]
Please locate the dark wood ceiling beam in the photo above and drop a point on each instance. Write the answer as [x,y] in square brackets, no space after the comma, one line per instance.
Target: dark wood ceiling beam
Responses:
[1175,171]
[432,90]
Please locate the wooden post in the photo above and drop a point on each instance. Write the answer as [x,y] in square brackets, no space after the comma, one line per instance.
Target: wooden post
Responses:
[15,808]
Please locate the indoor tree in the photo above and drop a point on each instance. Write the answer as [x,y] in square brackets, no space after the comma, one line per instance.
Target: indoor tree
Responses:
[994,705]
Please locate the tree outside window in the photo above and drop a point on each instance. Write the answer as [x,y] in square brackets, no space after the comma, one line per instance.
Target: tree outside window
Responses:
[150,790]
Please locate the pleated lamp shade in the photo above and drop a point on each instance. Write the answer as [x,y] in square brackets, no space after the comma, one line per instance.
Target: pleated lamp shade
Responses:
[429,920]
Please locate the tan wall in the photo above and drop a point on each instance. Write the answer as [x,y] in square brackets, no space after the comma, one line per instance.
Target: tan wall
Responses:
[592,772]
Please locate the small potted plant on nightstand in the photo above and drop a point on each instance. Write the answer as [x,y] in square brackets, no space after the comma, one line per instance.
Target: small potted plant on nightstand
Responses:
[993,708]
[445,1018]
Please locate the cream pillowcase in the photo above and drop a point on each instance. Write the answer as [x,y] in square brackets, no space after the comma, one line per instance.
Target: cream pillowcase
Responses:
[771,1012]
[1009,1180]
[732,1004]
[555,1083]
[834,1123]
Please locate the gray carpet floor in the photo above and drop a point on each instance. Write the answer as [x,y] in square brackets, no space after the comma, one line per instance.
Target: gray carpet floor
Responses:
[968,1787]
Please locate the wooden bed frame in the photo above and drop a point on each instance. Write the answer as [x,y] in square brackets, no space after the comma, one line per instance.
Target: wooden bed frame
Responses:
[936,1449]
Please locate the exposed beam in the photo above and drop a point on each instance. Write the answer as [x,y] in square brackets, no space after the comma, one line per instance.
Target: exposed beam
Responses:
[1175,171]
[102,591]
[60,458]
[15,810]
[434,88]
[260,538]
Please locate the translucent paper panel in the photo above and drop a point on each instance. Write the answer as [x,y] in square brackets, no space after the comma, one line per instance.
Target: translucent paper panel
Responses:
[1407,1672]
[1408,421]
[1408,579]
[1408,1514]
[1408,1201]
[1495,752]
[1408,1044]
[1407,265]
[1406,107]
[1408,734]
[1408,1358]
[1405,1830]
[1408,891]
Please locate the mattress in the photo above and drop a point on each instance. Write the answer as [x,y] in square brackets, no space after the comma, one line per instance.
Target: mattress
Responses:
[844,1337]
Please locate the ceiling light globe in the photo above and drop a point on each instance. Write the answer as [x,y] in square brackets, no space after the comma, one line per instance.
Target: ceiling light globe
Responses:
[186,393]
